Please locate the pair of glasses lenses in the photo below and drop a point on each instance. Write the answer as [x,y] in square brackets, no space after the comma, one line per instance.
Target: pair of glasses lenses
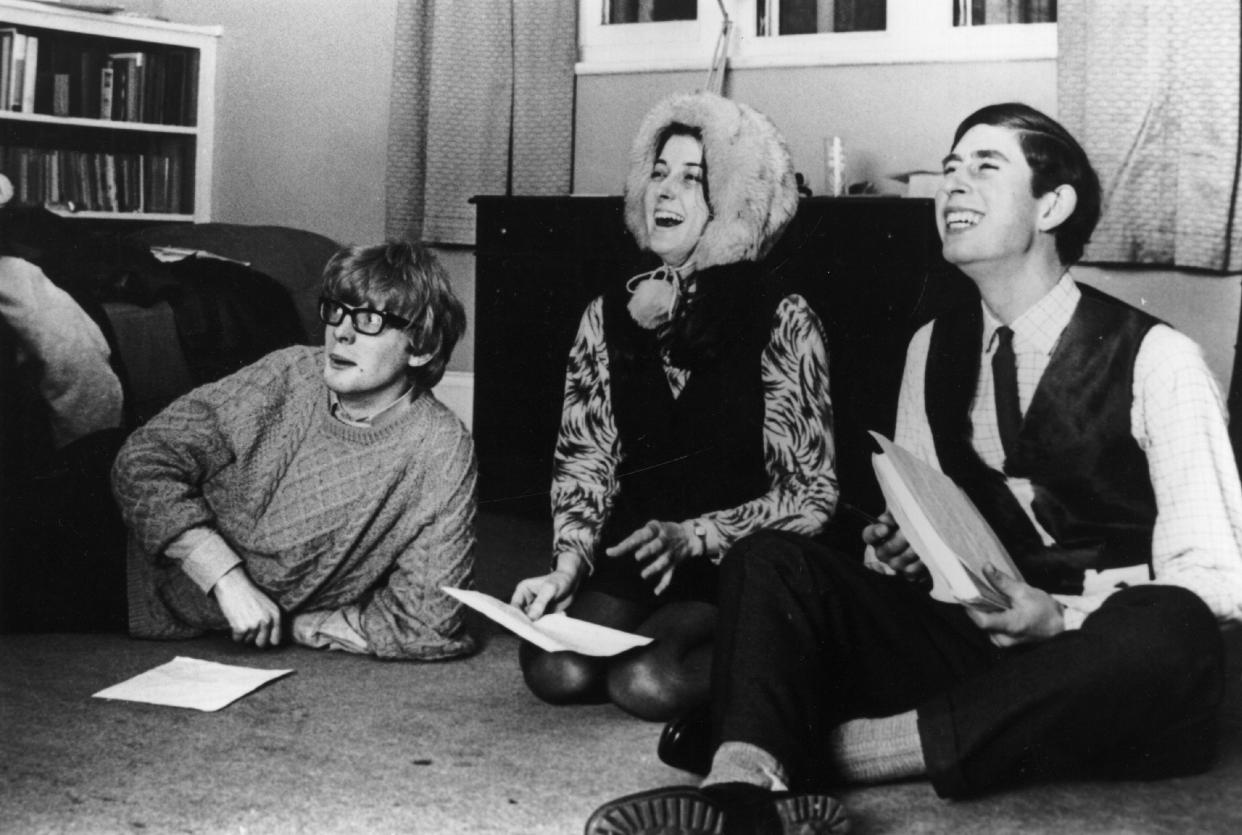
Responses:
[369,322]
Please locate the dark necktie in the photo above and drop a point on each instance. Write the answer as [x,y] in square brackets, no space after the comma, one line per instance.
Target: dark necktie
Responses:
[1005,384]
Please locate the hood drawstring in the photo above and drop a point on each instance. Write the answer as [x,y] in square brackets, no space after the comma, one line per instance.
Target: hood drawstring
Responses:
[655,295]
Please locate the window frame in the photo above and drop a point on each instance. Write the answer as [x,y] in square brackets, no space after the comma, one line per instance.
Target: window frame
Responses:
[919,31]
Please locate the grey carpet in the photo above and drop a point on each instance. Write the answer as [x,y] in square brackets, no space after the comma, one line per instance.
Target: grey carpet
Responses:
[349,744]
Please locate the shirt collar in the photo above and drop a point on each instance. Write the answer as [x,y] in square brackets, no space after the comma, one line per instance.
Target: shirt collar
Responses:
[1039,328]
[378,417]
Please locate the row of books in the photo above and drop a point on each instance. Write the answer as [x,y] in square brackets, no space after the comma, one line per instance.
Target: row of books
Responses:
[59,76]
[97,181]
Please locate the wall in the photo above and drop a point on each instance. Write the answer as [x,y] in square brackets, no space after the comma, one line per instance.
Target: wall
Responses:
[891,118]
[302,119]
[303,123]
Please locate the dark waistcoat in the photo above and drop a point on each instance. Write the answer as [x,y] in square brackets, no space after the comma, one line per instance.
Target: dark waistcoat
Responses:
[703,450]
[1092,489]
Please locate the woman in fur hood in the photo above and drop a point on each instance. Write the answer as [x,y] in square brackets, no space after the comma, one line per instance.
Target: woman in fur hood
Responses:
[696,411]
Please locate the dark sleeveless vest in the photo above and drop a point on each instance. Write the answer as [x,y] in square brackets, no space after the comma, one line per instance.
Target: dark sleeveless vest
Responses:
[1091,485]
[703,450]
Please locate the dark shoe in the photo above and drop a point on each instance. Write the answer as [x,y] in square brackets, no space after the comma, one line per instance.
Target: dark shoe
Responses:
[722,809]
[686,742]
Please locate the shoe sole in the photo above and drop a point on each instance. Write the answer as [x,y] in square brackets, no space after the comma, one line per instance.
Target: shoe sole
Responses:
[671,812]
[658,812]
[812,814]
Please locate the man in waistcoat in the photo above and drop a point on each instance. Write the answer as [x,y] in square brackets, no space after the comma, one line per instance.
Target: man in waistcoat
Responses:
[1092,437]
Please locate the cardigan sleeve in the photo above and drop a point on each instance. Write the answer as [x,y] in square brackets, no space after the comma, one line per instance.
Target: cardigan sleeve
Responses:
[588,448]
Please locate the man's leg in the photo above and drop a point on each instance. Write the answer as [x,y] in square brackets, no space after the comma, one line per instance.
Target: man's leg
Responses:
[809,638]
[1133,693]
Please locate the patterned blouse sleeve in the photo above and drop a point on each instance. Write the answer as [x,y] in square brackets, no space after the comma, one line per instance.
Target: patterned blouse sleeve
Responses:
[588,450]
[799,451]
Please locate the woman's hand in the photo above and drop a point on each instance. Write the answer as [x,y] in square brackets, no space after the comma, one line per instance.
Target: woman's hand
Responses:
[892,549]
[660,547]
[252,616]
[549,593]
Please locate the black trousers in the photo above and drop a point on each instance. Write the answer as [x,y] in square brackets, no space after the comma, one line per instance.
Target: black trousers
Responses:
[809,638]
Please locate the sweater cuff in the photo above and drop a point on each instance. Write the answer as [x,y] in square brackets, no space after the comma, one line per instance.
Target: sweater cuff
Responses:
[330,630]
[203,555]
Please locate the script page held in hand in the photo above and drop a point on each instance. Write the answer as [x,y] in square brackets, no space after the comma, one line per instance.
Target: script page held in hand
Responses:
[944,527]
[556,632]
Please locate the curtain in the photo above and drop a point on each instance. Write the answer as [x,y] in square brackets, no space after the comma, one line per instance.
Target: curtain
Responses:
[482,103]
[1151,89]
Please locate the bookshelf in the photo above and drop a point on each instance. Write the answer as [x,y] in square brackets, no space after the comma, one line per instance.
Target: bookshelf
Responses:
[116,120]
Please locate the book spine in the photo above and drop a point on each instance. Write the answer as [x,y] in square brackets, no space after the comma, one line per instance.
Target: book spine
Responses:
[110,188]
[6,60]
[60,94]
[30,74]
[176,176]
[133,87]
[133,92]
[190,100]
[17,64]
[120,89]
[105,91]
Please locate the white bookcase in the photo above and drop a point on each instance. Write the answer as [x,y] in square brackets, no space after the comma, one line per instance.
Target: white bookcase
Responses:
[146,158]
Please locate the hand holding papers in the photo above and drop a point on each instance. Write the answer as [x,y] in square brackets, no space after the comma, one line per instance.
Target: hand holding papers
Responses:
[943,525]
[551,633]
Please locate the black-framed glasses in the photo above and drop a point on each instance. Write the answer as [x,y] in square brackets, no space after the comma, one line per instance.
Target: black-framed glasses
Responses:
[366,320]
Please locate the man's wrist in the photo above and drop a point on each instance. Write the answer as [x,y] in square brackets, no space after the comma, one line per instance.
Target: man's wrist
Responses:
[1060,625]
[203,555]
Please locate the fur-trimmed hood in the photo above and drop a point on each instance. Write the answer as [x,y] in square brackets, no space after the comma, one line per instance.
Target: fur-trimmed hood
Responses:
[750,179]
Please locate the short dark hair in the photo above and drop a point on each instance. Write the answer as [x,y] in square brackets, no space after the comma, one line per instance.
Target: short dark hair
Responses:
[1055,158]
[405,279]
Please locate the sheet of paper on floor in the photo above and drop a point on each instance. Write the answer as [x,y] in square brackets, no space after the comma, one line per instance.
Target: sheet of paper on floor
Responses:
[192,683]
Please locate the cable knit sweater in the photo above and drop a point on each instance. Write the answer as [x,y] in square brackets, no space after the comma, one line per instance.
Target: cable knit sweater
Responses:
[327,517]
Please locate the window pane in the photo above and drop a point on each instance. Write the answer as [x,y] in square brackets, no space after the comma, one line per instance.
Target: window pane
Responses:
[983,12]
[807,17]
[650,11]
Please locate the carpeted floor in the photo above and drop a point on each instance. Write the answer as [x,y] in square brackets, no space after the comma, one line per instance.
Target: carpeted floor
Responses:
[349,744]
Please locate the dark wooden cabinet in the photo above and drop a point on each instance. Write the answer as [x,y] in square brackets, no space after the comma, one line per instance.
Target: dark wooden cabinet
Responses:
[870,266]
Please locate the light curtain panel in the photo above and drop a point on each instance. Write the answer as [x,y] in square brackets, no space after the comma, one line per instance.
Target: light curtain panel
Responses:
[482,103]
[1151,89]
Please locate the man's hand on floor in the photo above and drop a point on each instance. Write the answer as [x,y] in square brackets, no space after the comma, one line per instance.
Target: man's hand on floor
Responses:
[251,614]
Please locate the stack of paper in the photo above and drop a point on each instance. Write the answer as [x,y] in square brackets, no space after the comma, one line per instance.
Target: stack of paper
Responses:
[944,527]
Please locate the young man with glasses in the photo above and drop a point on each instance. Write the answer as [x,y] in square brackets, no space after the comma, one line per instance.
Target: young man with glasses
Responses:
[320,494]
